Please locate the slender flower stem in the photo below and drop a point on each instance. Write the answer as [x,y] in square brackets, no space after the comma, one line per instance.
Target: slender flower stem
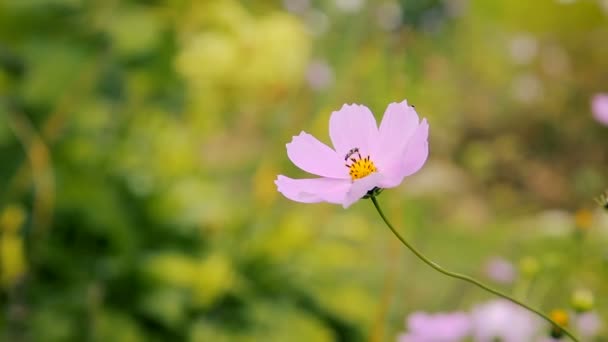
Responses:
[464,277]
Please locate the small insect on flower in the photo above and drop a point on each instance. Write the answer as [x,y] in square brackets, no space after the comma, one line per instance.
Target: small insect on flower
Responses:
[351,152]
[602,200]
[365,157]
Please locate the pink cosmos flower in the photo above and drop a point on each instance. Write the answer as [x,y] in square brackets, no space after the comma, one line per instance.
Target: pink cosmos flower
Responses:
[364,156]
[441,327]
[599,107]
[502,320]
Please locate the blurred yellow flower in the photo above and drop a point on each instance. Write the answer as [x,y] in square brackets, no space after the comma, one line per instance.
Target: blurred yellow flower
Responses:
[583,219]
[12,249]
[226,54]
[263,180]
[206,279]
[12,259]
[529,266]
[350,302]
[582,300]
[215,275]
[11,218]
[133,30]
[560,317]
[228,16]
[172,268]
[291,235]
[209,58]
[278,53]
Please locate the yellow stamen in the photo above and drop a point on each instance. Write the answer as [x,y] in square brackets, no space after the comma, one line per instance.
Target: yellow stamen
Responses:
[361,167]
[560,317]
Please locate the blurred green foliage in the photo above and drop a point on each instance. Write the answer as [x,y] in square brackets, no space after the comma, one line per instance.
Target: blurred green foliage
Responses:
[139,141]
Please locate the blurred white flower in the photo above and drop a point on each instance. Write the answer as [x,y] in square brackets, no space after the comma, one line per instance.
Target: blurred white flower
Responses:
[554,222]
[527,88]
[601,222]
[296,6]
[455,8]
[349,6]
[317,22]
[555,60]
[389,16]
[604,5]
[504,321]
[440,179]
[319,75]
[523,48]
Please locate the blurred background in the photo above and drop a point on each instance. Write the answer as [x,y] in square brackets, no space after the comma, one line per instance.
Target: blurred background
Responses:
[139,142]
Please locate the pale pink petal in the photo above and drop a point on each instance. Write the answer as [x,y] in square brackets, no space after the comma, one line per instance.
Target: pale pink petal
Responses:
[360,187]
[417,150]
[399,123]
[313,190]
[589,324]
[599,107]
[311,155]
[502,320]
[412,159]
[353,126]
[444,327]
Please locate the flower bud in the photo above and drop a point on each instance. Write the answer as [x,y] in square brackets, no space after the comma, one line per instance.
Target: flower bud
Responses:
[529,266]
[561,318]
[582,300]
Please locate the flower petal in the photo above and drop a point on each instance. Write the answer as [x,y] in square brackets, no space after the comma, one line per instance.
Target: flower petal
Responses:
[599,106]
[399,123]
[360,187]
[417,150]
[313,190]
[353,126]
[412,159]
[311,155]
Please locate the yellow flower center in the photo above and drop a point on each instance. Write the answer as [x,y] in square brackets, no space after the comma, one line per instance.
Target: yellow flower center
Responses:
[560,317]
[359,167]
[583,219]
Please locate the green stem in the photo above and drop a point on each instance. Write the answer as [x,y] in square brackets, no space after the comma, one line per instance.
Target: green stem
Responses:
[464,277]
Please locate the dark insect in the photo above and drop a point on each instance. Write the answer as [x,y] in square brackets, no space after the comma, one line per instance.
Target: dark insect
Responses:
[351,152]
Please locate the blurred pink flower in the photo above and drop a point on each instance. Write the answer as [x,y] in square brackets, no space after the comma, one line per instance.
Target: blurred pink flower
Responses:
[319,75]
[588,324]
[364,157]
[503,320]
[441,327]
[500,270]
[599,107]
